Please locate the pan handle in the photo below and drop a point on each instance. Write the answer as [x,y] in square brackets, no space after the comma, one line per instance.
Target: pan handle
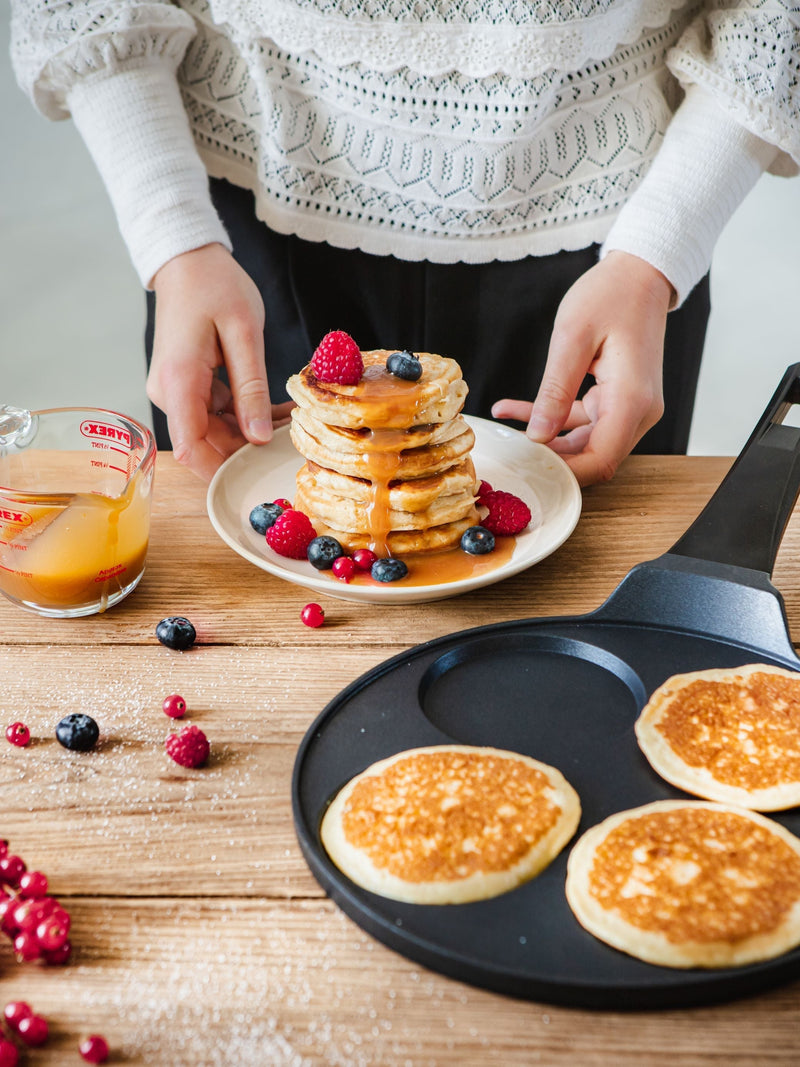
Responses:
[743,523]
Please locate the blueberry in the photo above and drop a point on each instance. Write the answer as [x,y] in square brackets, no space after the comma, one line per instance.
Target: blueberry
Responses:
[477,540]
[176,632]
[322,551]
[388,570]
[78,732]
[263,515]
[404,365]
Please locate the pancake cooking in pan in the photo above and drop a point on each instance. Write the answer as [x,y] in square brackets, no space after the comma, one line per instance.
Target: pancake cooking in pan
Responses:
[688,884]
[448,824]
[731,735]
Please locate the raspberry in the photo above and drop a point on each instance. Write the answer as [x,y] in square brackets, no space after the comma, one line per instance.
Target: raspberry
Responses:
[189,748]
[483,489]
[507,513]
[291,534]
[337,359]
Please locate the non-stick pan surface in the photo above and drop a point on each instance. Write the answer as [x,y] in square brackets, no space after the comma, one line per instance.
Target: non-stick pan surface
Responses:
[568,691]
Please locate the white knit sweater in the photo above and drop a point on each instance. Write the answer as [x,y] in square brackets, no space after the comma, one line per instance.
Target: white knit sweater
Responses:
[448,130]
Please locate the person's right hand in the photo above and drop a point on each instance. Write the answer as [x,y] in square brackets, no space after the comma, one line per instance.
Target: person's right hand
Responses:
[209,314]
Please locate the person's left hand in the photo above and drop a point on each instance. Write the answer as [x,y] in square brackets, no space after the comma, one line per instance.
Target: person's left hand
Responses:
[611,325]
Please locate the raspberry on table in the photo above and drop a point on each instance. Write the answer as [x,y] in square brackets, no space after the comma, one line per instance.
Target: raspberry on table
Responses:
[337,359]
[507,513]
[291,534]
[189,748]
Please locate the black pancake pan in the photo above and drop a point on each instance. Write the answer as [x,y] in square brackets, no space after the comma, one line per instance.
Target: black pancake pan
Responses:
[567,691]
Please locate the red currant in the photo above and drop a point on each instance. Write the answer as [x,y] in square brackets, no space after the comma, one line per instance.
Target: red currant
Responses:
[18,734]
[33,1030]
[3,848]
[15,1011]
[33,885]
[52,932]
[26,946]
[174,706]
[9,1057]
[312,615]
[94,1049]
[364,558]
[56,956]
[344,568]
[12,869]
[282,502]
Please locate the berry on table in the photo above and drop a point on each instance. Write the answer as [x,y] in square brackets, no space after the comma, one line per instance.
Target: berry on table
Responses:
[507,513]
[189,748]
[176,632]
[323,551]
[344,568]
[15,1011]
[33,1030]
[9,1057]
[477,541]
[312,615]
[175,706]
[18,734]
[404,365]
[263,515]
[388,570]
[364,558]
[291,534]
[77,732]
[12,869]
[33,885]
[337,359]
[26,947]
[94,1049]
[52,932]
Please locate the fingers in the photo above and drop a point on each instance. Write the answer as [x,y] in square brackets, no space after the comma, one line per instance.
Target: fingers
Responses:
[242,345]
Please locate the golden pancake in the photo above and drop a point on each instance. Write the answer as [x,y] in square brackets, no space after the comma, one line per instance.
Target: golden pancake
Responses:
[394,542]
[382,465]
[344,513]
[729,735]
[365,439]
[450,823]
[688,884]
[415,494]
[382,399]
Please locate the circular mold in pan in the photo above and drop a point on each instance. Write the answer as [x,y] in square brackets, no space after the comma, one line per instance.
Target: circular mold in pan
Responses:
[564,691]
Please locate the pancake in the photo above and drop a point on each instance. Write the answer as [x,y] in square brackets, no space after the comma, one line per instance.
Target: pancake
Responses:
[394,542]
[688,884]
[450,823]
[413,494]
[730,735]
[344,513]
[382,464]
[381,399]
[365,439]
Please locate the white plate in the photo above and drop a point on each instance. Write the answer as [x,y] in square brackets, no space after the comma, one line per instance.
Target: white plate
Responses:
[503,457]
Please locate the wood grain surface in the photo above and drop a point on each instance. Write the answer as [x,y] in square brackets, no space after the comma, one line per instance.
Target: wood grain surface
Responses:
[200,937]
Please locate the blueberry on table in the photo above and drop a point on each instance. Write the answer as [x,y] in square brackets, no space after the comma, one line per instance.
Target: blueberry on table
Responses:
[388,570]
[264,515]
[322,551]
[404,365]
[477,540]
[78,732]
[176,632]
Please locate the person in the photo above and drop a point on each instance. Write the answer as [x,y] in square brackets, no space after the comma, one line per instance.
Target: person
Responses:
[532,188]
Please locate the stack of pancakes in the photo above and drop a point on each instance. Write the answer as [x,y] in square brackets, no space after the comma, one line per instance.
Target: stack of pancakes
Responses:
[388,462]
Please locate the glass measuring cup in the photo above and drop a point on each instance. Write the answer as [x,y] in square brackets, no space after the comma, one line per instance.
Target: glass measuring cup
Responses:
[75,491]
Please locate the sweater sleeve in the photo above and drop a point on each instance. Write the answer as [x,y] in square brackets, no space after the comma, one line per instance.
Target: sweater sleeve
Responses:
[703,170]
[738,61]
[111,66]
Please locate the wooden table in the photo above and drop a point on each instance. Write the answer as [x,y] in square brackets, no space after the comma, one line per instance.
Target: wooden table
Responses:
[200,937]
